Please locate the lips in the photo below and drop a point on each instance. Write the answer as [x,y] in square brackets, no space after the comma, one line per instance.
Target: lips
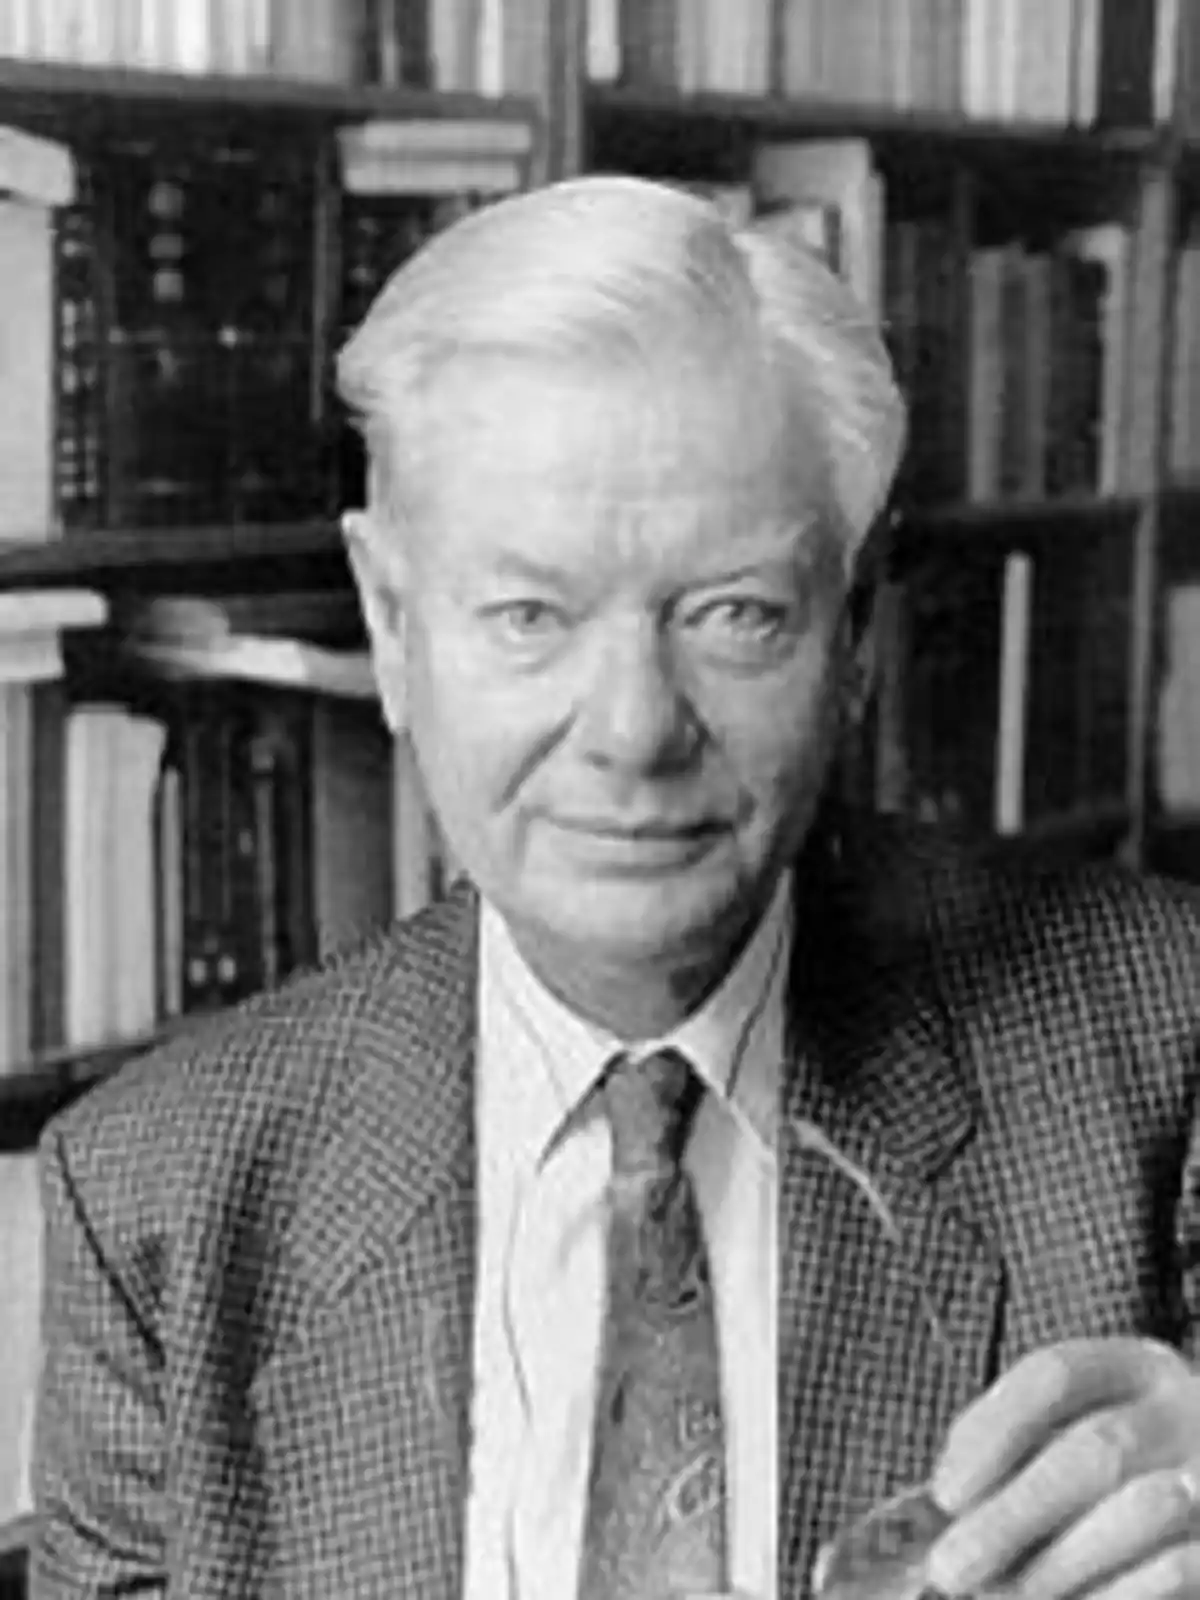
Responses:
[640,832]
[655,829]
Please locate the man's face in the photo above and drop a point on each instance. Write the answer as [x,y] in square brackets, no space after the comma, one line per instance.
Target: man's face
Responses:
[621,640]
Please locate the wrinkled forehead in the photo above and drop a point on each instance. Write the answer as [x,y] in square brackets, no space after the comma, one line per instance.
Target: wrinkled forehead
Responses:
[625,431]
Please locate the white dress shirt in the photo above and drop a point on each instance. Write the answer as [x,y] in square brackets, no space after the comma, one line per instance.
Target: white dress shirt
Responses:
[540,1291]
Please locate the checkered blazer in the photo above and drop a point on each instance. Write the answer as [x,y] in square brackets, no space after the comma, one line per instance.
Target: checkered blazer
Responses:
[261,1240]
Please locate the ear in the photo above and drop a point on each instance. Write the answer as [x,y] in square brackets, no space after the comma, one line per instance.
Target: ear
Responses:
[856,647]
[379,576]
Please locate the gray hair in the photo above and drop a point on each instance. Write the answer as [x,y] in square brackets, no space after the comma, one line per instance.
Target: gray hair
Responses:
[597,267]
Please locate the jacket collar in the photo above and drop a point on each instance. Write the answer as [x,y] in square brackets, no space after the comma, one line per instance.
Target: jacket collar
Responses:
[869,1052]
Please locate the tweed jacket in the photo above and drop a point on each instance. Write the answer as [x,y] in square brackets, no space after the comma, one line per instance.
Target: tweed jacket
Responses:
[261,1239]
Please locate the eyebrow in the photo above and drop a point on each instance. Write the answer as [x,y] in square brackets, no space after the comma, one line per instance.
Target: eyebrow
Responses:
[508,564]
[803,553]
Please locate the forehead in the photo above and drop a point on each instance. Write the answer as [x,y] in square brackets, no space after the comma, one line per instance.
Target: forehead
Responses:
[599,466]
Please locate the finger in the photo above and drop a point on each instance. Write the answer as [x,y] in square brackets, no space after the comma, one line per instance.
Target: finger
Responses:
[1080,1468]
[1152,1513]
[1046,1391]
[1173,1574]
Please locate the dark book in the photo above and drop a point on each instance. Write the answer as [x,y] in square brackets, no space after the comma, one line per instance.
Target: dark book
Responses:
[650,43]
[394,44]
[1076,394]
[1014,471]
[1078,707]
[379,233]
[188,388]
[47,881]
[80,370]
[926,315]
[1128,46]
[952,688]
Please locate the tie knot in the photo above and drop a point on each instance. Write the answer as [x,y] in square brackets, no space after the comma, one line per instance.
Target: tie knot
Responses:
[650,1105]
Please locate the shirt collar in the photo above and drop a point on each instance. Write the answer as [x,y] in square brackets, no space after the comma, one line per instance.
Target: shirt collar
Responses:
[735,1041]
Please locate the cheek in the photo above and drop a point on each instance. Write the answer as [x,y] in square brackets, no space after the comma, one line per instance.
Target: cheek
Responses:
[775,736]
[474,733]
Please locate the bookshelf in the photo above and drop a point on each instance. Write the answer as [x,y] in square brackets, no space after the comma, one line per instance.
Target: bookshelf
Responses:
[1101,554]
[633,114]
[155,558]
[46,93]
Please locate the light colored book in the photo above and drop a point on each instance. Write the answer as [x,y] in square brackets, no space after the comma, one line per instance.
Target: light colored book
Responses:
[840,173]
[435,157]
[1016,613]
[89,849]
[21,1274]
[26,372]
[1110,245]
[279,663]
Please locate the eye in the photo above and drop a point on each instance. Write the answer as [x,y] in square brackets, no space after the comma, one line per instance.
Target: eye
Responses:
[527,621]
[741,619]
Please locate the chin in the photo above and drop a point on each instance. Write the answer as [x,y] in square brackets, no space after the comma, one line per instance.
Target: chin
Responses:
[641,918]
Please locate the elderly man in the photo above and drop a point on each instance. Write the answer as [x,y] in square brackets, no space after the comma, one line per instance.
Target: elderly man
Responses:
[716,1164]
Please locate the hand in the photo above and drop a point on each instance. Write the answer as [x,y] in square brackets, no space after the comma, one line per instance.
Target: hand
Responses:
[1077,1474]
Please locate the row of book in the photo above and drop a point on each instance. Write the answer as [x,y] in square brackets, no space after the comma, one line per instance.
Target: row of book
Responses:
[187,301]
[1071,62]
[1012,356]
[189,387]
[213,812]
[1004,696]
[1076,61]
[488,48]
[1008,689]
[194,811]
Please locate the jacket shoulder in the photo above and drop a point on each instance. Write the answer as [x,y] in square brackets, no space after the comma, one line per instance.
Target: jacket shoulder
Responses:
[271,1077]
[918,882]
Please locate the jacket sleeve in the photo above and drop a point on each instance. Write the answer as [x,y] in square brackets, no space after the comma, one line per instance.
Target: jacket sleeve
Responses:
[98,1457]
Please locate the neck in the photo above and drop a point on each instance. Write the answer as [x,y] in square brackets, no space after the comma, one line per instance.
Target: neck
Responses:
[640,1000]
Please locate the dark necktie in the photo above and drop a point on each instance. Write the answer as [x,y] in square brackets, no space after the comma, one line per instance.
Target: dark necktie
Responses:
[655,1521]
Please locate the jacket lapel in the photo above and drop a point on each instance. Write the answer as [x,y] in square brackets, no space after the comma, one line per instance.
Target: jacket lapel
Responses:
[363,1413]
[890,1292]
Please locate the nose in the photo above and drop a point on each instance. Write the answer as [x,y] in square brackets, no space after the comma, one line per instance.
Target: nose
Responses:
[635,717]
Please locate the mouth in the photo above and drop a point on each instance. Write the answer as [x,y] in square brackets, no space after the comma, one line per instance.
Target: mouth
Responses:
[649,832]
[640,849]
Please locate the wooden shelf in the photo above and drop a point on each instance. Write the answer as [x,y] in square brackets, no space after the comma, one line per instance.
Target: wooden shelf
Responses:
[288,556]
[622,117]
[224,559]
[1182,496]
[1013,524]
[781,116]
[997,515]
[1179,546]
[16,1535]
[1088,832]
[1173,845]
[63,90]
[35,1092]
